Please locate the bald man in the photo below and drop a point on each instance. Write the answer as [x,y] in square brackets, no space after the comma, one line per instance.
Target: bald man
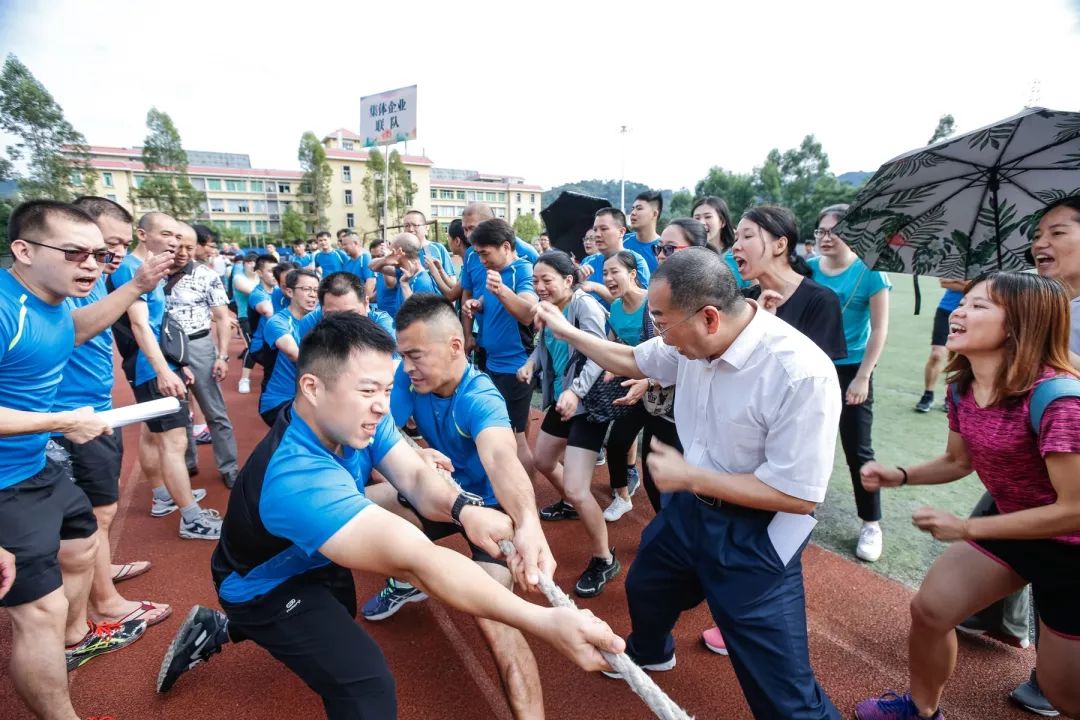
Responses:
[412,276]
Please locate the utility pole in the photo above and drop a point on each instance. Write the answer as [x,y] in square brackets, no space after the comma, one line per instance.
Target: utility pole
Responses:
[623,130]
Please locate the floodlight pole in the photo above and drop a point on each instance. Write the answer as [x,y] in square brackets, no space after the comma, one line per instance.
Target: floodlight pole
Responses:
[386,194]
[622,173]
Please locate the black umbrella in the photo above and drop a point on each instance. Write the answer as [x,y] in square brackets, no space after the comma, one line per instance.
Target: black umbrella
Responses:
[568,218]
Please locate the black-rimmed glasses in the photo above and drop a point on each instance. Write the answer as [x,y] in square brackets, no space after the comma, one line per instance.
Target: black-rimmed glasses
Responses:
[104,256]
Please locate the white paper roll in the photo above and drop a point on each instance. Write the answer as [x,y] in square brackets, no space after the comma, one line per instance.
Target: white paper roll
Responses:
[131,414]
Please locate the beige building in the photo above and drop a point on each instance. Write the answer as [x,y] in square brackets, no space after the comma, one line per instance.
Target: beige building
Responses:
[509,196]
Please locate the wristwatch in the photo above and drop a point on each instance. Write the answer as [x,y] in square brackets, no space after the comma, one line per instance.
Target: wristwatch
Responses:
[464,499]
[223,358]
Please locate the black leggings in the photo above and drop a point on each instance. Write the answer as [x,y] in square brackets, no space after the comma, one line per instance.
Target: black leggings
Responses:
[856,423]
[245,332]
[623,432]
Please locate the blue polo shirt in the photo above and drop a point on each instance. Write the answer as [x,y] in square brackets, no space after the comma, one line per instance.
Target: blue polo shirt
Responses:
[950,300]
[359,266]
[526,250]
[278,299]
[380,318]
[258,295]
[473,272]
[304,260]
[452,424]
[308,493]
[507,342]
[241,298]
[36,340]
[385,297]
[330,262]
[439,252]
[647,250]
[281,388]
[855,286]
[88,376]
[422,282]
[155,306]
[596,262]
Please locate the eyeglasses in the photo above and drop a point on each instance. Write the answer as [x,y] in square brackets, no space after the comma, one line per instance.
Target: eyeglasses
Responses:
[308,290]
[820,234]
[661,329]
[77,256]
[413,226]
[669,249]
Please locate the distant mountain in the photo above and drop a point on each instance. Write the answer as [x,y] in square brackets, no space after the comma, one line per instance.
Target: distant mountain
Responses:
[607,189]
[855,179]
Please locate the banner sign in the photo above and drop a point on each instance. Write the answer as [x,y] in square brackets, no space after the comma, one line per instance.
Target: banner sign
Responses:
[388,117]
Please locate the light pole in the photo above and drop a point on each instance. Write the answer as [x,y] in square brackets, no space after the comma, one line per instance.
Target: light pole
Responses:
[623,130]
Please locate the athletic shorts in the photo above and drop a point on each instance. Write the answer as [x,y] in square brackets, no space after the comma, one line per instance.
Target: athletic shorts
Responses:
[435,530]
[96,467]
[1052,568]
[577,431]
[179,419]
[941,328]
[309,624]
[35,515]
[517,396]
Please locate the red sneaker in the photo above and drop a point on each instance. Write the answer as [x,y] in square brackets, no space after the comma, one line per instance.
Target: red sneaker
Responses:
[714,641]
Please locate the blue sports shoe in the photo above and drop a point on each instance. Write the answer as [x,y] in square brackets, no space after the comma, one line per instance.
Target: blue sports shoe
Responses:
[891,706]
[391,599]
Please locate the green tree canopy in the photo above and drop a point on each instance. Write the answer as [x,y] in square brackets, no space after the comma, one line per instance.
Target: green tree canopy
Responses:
[402,189]
[736,189]
[316,181]
[292,226]
[946,126]
[527,227]
[166,187]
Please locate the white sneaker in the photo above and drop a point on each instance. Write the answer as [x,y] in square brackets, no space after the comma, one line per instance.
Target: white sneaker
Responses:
[161,508]
[870,540]
[244,387]
[617,509]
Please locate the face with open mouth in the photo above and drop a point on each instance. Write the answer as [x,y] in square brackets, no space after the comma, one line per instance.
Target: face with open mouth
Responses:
[977,324]
[1056,249]
[755,250]
[348,412]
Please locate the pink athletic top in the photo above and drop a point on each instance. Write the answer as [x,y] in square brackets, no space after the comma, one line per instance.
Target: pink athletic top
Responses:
[1009,457]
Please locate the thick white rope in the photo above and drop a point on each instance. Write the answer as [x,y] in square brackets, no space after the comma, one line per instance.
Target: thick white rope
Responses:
[643,685]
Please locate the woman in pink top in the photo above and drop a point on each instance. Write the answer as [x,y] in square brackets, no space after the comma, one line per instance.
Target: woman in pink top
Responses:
[1010,333]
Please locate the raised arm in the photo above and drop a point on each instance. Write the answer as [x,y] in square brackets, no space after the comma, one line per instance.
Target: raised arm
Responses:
[91,319]
[613,357]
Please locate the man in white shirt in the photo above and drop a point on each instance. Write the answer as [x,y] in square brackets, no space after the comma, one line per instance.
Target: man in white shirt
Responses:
[758,418]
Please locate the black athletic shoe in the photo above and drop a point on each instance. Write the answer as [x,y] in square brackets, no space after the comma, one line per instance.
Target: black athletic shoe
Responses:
[925,402]
[1030,697]
[203,633]
[596,576]
[560,510]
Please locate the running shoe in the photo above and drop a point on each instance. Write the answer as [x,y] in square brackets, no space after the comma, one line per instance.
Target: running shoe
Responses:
[868,549]
[204,438]
[925,402]
[714,640]
[601,457]
[617,509]
[205,526]
[391,599]
[203,633]
[1029,696]
[560,510]
[633,480]
[104,637]
[891,706]
[653,667]
[161,508]
[244,386]
[596,576]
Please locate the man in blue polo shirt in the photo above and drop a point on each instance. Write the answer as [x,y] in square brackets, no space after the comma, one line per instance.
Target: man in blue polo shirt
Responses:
[299,522]
[46,522]
[282,335]
[342,292]
[644,240]
[329,259]
[358,260]
[300,255]
[609,227]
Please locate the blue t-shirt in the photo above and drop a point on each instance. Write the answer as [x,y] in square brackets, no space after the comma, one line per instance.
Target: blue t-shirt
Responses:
[855,286]
[36,340]
[304,260]
[452,424]
[386,298]
[330,262]
[440,253]
[155,307]
[359,266]
[278,299]
[525,250]
[647,250]
[422,282]
[308,494]
[950,300]
[88,376]
[241,298]
[596,262]
[506,341]
[259,295]
[627,326]
[729,258]
[560,355]
[381,319]
[473,272]
[281,388]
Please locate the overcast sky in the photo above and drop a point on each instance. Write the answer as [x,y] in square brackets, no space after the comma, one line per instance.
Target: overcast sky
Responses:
[540,89]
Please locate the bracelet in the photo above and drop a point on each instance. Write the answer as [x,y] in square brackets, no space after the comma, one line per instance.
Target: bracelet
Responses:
[905,480]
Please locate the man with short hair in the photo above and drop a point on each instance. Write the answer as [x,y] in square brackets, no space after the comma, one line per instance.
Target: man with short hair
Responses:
[46,521]
[271,250]
[260,309]
[739,517]
[299,523]
[196,297]
[448,283]
[329,259]
[282,337]
[300,255]
[163,441]
[412,276]
[609,227]
[359,260]
[504,308]
[385,284]
[644,214]
[415,222]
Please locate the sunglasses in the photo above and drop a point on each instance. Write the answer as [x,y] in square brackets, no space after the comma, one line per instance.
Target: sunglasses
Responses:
[668,249]
[104,256]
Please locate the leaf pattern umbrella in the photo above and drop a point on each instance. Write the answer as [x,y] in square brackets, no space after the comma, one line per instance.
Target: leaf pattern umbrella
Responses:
[968,204]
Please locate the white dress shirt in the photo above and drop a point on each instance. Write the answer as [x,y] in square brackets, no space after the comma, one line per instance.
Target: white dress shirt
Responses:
[770,405]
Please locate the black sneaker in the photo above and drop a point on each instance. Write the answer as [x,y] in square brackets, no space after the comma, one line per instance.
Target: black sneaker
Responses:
[925,402]
[1029,696]
[596,576]
[104,637]
[560,510]
[203,633]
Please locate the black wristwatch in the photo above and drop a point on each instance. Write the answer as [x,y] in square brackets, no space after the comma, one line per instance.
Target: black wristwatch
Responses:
[464,499]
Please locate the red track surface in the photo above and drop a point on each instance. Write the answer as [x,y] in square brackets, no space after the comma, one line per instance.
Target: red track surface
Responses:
[858,633]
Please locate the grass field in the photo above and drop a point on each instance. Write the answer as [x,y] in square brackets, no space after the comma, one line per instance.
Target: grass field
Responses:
[901,437]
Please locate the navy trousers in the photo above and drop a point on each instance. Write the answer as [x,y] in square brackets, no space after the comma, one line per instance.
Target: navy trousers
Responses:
[722,554]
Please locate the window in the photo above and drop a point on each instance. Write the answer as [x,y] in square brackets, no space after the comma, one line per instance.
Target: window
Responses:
[257,186]
[272,207]
[434,194]
[350,220]
[460,194]
[258,206]
[213,184]
[236,185]
[348,197]
[106,177]
[285,206]
[76,178]
[519,197]
[532,197]
[305,188]
[519,212]
[139,180]
[500,212]
[347,144]
[533,211]
[260,226]
[446,194]
[492,197]
[502,197]
[243,225]
[283,187]
[238,206]
[346,173]
[217,205]
[198,183]
[111,196]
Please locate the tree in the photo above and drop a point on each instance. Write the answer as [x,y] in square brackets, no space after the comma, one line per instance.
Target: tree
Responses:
[50,148]
[527,227]
[402,188]
[317,174]
[737,190]
[606,189]
[166,187]
[230,234]
[680,205]
[292,226]
[946,126]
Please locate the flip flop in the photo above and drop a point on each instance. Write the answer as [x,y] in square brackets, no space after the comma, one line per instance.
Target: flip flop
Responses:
[130,570]
[152,613]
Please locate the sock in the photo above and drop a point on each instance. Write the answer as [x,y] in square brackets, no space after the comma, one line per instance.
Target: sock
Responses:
[402,584]
[190,512]
[160,493]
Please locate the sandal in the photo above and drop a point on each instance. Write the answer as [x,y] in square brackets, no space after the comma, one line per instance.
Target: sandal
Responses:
[152,613]
[131,570]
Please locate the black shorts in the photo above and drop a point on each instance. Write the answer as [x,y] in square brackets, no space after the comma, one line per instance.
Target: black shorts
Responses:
[308,623]
[517,396]
[941,328]
[578,431]
[179,419]
[1052,568]
[438,530]
[35,515]
[96,467]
